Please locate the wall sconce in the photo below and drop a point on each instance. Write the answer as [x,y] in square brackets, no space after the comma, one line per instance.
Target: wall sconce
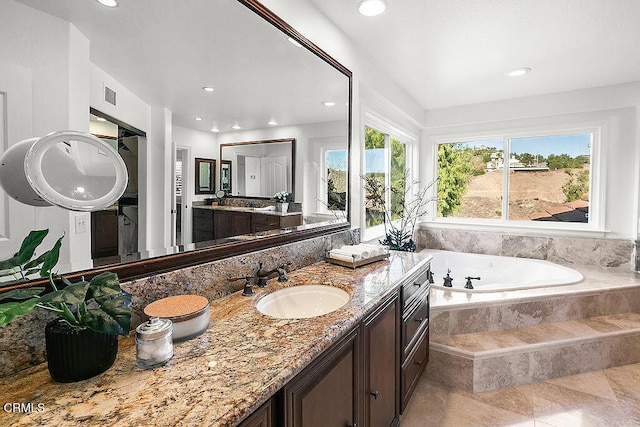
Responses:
[70,169]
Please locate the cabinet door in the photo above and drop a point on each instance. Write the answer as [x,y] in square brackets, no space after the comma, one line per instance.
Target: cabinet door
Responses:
[104,233]
[382,366]
[324,395]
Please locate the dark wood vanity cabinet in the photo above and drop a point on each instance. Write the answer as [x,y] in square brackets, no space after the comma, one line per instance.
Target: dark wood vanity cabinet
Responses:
[202,225]
[327,392]
[265,222]
[210,224]
[104,233]
[230,223]
[368,376]
[414,296]
[381,366]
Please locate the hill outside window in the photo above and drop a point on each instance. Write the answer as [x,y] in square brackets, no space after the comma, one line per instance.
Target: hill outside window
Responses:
[534,178]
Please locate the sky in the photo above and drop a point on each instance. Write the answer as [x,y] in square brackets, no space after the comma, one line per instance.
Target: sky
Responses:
[573,145]
[336,159]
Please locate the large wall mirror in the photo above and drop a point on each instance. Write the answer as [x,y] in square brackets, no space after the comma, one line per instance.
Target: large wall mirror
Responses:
[168,83]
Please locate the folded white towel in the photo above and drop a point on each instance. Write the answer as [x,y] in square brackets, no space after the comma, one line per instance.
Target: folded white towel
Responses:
[344,256]
[358,250]
[375,250]
[266,208]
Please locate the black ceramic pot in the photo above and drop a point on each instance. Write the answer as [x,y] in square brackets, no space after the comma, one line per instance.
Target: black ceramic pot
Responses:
[75,354]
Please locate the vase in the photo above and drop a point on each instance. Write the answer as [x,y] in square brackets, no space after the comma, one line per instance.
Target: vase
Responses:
[282,207]
[76,354]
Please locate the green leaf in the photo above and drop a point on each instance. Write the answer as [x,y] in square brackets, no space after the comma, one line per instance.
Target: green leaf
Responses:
[21,293]
[10,263]
[113,317]
[11,310]
[51,258]
[73,294]
[29,245]
[104,286]
[35,262]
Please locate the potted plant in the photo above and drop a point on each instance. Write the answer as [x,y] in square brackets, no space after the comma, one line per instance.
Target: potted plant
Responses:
[83,340]
[399,216]
[282,198]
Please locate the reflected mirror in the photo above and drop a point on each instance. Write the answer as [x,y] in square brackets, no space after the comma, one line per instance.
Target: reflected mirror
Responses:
[197,77]
[263,168]
[205,176]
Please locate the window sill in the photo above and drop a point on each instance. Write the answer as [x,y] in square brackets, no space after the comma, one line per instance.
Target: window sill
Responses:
[516,227]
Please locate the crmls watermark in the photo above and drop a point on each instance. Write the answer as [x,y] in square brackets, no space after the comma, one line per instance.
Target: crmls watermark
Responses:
[23,408]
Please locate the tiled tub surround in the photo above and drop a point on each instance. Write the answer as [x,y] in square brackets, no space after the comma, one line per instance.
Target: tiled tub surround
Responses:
[560,249]
[221,376]
[22,340]
[485,341]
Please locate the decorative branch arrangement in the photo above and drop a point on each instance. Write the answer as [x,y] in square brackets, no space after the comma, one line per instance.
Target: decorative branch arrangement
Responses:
[400,216]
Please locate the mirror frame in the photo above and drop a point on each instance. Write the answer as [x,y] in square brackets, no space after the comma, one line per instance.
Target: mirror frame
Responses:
[211,185]
[264,141]
[165,263]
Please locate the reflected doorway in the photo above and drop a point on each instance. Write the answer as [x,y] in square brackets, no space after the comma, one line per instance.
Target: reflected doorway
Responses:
[114,230]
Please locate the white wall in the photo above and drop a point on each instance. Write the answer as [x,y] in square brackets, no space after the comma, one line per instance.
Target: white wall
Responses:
[369,81]
[202,144]
[307,152]
[57,55]
[614,108]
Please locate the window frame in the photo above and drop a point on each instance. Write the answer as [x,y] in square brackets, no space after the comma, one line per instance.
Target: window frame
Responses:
[596,179]
[390,131]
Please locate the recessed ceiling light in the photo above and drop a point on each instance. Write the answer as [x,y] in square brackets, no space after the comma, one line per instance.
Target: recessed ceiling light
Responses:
[372,7]
[328,103]
[236,127]
[108,3]
[197,119]
[272,123]
[207,89]
[294,42]
[215,129]
[518,72]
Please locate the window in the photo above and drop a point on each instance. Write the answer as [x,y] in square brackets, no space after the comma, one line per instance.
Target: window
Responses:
[385,160]
[517,178]
[336,179]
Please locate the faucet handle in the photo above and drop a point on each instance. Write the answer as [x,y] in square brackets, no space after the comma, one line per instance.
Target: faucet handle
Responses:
[248,286]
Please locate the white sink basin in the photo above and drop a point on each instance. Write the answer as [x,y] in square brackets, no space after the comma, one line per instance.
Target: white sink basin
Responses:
[299,302]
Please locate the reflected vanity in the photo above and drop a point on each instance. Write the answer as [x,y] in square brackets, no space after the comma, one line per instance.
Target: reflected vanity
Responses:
[241,89]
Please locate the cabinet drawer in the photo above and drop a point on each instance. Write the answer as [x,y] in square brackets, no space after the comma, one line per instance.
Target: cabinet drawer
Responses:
[414,324]
[261,222]
[413,286]
[202,213]
[413,368]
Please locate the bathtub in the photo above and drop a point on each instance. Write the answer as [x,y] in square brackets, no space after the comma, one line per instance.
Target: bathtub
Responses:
[497,273]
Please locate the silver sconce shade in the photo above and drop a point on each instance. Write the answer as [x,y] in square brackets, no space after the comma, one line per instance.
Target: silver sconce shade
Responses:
[70,169]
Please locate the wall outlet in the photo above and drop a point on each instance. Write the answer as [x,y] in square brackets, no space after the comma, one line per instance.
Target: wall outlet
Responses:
[81,224]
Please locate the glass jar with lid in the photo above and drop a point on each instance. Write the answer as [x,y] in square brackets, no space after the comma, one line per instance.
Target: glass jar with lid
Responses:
[154,343]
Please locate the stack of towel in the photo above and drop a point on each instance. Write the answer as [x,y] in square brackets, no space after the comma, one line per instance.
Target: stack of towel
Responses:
[359,252]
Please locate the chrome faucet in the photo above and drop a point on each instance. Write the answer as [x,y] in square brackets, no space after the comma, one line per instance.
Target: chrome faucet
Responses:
[448,281]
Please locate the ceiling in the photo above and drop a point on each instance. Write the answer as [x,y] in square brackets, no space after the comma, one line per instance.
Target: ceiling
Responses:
[165,53]
[447,53]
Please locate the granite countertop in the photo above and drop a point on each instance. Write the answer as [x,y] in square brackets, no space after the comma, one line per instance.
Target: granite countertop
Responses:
[246,209]
[219,377]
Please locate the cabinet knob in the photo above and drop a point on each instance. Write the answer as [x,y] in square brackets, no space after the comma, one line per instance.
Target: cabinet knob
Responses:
[417,284]
[375,394]
[419,362]
[419,319]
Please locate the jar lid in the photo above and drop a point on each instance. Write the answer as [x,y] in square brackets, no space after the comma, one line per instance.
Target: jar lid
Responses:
[154,328]
[178,307]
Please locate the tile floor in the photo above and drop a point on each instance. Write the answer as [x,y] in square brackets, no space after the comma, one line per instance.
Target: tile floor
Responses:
[608,398]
